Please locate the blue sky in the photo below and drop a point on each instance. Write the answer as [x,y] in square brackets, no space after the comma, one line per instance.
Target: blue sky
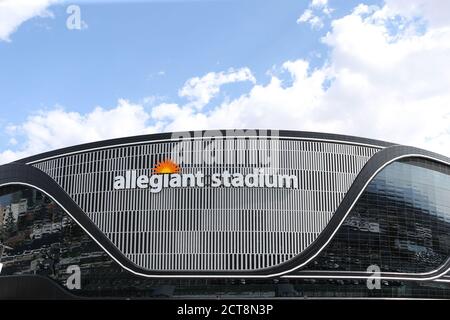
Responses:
[147,49]
[128,46]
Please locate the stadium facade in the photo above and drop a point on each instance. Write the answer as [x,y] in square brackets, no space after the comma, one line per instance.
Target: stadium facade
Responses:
[250,213]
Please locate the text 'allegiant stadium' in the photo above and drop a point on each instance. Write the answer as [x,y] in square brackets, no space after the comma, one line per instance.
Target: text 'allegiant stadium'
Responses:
[156,182]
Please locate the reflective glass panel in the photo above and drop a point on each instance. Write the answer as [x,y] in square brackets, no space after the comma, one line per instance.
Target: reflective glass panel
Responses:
[401,222]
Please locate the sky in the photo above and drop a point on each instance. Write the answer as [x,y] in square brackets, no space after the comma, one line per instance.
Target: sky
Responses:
[76,72]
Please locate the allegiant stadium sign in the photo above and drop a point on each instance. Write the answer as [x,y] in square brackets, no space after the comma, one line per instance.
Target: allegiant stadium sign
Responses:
[167,175]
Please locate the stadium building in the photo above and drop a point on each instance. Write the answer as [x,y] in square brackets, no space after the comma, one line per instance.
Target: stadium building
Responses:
[250,213]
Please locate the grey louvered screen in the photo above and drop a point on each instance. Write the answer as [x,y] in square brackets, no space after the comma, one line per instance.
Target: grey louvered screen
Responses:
[212,229]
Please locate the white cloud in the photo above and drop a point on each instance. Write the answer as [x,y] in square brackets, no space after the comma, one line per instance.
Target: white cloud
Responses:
[201,90]
[391,86]
[319,3]
[315,14]
[435,12]
[381,80]
[306,16]
[264,106]
[15,12]
[58,128]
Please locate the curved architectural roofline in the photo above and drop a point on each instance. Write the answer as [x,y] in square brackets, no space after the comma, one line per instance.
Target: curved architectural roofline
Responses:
[176,136]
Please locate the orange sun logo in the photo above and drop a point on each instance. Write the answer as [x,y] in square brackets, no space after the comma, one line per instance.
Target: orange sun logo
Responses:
[166,167]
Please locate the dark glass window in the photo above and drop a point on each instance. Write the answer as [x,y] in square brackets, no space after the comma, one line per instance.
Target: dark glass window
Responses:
[400,223]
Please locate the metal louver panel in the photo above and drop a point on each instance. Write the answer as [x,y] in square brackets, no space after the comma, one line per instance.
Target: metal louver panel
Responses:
[212,229]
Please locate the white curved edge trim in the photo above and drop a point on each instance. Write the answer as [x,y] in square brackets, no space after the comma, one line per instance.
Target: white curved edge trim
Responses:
[350,209]
[369,276]
[204,138]
[386,273]
[443,280]
[117,261]
[282,274]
